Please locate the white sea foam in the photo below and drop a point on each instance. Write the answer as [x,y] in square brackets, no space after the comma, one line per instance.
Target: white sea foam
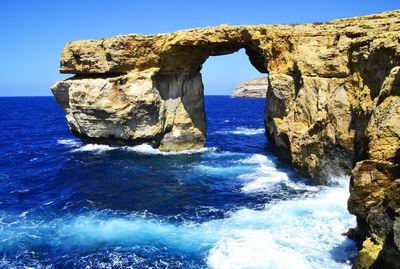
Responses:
[23,214]
[96,148]
[341,180]
[262,184]
[141,149]
[301,186]
[69,142]
[299,233]
[264,175]
[243,131]
[248,251]
[257,159]
[149,150]
[258,173]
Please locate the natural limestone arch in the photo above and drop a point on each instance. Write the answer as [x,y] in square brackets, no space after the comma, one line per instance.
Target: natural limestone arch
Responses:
[146,89]
[333,101]
[135,89]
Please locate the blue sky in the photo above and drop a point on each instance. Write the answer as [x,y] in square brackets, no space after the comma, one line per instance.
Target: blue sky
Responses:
[33,33]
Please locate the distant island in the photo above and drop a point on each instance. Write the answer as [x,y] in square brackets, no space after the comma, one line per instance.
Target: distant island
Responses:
[255,88]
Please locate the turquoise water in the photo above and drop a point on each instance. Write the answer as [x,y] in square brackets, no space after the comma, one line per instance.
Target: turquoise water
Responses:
[232,204]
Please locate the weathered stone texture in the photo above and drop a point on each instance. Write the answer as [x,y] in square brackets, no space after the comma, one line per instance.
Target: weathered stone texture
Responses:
[158,109]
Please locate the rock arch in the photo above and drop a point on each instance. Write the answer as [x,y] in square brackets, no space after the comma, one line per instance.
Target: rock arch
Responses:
[333,101]
[133,89]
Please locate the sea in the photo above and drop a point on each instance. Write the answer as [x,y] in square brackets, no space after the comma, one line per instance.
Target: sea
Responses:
[232,204]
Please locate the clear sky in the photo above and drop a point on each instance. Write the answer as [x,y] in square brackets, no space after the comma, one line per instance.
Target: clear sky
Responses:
[33,33]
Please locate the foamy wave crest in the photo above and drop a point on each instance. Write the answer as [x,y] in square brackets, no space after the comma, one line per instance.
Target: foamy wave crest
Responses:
[295,185]
[257,159]
[243,131]
[96,148]
[263,179]
[149,150]
[250,252]
[300,233]
[341,180]
[265,176]
[141,149]
[69,142]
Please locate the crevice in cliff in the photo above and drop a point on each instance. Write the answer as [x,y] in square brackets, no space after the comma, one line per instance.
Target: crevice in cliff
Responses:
[297,79]
[94,76]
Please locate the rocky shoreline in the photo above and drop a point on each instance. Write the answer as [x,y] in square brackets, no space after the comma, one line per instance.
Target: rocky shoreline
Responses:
[332,104]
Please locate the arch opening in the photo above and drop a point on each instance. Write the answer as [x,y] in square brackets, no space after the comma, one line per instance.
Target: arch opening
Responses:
[231,122]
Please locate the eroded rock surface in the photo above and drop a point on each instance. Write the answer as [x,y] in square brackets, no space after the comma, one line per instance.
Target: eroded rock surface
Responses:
[332,104]
[163,110]
[255,88]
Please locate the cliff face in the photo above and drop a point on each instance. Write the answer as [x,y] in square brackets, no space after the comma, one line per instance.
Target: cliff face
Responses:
[163,110]
[332,104]
[255,88]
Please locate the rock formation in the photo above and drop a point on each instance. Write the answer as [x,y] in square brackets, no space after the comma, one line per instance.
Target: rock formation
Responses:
[136,108]
[255,88]
[333,103]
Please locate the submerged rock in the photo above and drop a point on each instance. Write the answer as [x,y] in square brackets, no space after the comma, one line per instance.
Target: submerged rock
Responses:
[332,104]
[255,88]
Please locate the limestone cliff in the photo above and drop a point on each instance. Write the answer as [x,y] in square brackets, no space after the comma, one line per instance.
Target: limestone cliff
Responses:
[332,104]
[157,109]
[255,88]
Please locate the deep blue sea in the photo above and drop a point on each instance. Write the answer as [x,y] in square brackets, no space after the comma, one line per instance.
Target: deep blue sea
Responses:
[232,204]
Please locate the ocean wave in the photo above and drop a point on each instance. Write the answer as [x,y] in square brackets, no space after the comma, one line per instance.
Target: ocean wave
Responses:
[263,179]
[96,148]
[263,176]
[257,159]
[69,142]
[255,174]
[243,131]
[298,233]
[141,149]
[341,180]
[149,150]
[262,183]
[254,249]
